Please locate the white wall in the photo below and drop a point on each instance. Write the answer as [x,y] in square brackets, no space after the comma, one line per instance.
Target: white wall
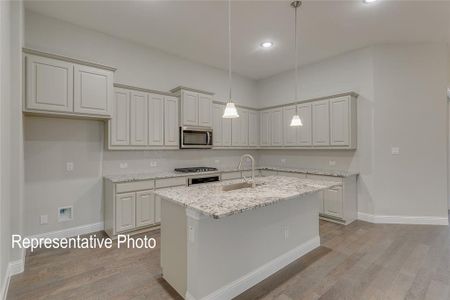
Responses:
[11,137]
[348,72]
[402,103]
[51,142]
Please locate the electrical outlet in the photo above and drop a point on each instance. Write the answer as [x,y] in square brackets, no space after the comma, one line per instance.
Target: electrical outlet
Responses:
[283,161]
[123,165]
[395,150]
[217,161]
[69,166]
[332,162]
[44,219]
[153,163]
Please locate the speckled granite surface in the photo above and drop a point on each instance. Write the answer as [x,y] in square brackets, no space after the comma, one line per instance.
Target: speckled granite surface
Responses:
[170,174]
[209,199]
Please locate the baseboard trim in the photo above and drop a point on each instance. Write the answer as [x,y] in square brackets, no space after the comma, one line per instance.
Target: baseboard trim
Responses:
[70,232]
[245,282]
[14,267]
[419,220]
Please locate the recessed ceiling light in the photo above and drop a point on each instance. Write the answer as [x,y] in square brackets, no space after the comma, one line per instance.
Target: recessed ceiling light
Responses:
[369,1]
[266,44]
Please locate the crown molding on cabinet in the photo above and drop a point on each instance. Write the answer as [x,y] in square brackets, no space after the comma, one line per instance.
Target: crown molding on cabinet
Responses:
[179,88]
[67,59]
[144,90]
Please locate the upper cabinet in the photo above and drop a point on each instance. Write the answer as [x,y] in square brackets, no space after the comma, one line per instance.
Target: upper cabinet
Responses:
[327,123]
[196,107]
[61,86]
[143,119]
[253,128]
[321,123]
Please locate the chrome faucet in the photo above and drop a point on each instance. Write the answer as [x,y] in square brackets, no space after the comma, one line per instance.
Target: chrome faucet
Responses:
[253,168]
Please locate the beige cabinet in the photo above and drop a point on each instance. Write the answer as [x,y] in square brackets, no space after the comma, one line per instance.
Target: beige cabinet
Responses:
[239,129]
[265,128]
[93,90]
[321,123]
[119,125]
[205,107]
[304,136]
[156,120]
[49,84]
[277,127]
[60,86]
[139,118]
[339,119]
[290,132]
[196,108]
[125,212]
[226,132]
[218,124]
[253,128]
[171,129]
[145,208]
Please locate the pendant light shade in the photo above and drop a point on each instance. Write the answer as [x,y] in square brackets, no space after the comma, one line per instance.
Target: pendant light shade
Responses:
[296,121]
[230,111]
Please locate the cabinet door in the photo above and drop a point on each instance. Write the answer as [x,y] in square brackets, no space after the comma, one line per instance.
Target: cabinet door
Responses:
[155,120]
[339,121]
[332,202]
[243,115]
[189,107]
[125,212]
[145,208]
[171,130]
[226,131]
[290,132]
[277,127]
[138,118]
[266,128]
[119,123]
[157,209]
[93,90]
[253,128]
[217,124]
[205,105]
[304,132]
[49,84]
[321,123]
[236,128]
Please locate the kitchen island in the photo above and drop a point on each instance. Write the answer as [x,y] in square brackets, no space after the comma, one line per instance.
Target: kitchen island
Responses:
[215,244]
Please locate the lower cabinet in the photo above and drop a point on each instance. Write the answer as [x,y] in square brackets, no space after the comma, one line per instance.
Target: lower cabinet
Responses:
[332,202]
[132,206]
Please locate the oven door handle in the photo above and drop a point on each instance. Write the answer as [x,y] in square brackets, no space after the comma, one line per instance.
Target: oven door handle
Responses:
[208,138]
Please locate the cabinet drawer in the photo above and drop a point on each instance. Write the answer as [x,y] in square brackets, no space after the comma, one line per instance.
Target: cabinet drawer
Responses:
[291,174]
[135,186]
[231,175]
[162,183]
[324,178]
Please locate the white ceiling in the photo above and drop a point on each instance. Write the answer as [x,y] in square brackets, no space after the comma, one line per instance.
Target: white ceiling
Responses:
[197,30]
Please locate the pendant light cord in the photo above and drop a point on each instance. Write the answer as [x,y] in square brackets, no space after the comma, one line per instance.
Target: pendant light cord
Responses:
[229,49]
[296,56]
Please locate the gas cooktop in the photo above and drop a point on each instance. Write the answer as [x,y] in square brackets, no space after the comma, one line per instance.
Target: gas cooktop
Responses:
[195,169]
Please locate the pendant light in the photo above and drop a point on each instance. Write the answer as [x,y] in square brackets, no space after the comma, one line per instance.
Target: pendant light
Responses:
[230,110]
[296,121]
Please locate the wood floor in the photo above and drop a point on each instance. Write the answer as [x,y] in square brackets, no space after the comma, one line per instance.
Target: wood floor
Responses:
[358,261]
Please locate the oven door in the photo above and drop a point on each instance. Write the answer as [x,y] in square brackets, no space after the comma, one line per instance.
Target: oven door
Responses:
[195,138]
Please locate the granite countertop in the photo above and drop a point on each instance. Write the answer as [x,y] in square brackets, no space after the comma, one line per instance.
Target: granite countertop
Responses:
[210,200]
[171,174]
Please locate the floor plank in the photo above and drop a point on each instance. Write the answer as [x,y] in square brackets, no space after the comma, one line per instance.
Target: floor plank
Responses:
[358,261]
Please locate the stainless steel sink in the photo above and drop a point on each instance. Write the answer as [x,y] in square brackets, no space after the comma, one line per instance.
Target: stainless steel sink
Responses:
[239,185]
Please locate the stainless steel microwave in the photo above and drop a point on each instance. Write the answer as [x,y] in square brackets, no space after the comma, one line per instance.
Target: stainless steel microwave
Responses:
[196,138]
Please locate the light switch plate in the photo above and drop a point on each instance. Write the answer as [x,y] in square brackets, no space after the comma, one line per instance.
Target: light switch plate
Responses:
[123,165]
[44,219]
[69,166]
[395,151]
[153,163]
